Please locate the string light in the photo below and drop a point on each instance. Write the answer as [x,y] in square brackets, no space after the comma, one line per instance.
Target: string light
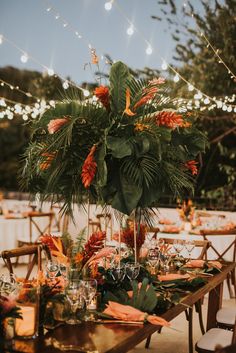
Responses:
[65,85]
[24,58]
[149,50]
[1,38]
[176,78]
[86,92]
[130,30]
[108,5]
[164,66]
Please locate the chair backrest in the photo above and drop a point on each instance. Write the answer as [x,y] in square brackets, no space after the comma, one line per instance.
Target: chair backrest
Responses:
[60,221]
[203,244]
[94,226]
[105,220]
[153,231]
[35,252]
[220,253]
[39,224]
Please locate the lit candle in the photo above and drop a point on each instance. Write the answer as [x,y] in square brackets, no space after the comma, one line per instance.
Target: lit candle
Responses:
[93,304]
[26,326]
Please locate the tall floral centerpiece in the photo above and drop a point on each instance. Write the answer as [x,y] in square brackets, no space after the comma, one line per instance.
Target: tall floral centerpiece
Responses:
[126,148]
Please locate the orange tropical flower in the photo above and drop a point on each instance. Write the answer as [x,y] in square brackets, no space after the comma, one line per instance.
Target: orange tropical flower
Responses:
[169,119]
[79,258]
[48,158]
[102,93]
[55,124]
[141,127]
[192,166]
[89,168]
[148,94]
[127,107]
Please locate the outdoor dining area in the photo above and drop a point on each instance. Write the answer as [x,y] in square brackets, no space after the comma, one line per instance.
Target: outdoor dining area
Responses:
[115,279]
[117,176]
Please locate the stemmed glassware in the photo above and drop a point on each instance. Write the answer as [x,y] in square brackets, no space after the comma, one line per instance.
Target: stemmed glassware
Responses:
[132,270]
[118,272]
[88,292]
[8,284]
[74,295]
[52,269]
[153,258]
[189,245]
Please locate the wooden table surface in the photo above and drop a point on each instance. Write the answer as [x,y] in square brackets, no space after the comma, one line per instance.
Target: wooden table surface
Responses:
[119,338]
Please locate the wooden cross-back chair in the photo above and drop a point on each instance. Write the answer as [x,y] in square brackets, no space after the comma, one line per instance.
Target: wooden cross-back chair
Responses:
[94,226]
[105,220]
[204,245]
[60,221]
[220,254]
[35,253]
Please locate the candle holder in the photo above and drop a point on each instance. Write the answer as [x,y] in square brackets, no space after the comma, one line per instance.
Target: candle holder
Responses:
[28,301]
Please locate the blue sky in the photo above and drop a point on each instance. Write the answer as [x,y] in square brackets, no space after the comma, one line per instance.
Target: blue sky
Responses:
[28,24]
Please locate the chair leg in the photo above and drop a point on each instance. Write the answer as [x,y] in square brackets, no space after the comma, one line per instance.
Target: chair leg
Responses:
[228,279]
[233,280]
[190,330]
[148,340]
[198,307]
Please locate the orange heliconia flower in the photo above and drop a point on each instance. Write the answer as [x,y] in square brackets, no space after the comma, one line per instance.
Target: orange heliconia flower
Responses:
[78,258]
[169,119]
[102,93]
[48,158]
[192,166]
[55,124]
[148,94]
[127,106]
[89,168]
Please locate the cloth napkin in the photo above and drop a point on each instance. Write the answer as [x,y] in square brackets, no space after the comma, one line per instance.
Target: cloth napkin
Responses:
[128,313]
[195,263]
[171,229]
[172,276]
[215,264]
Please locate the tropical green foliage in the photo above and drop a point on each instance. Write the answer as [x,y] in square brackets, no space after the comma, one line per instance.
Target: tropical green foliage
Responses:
[137,159]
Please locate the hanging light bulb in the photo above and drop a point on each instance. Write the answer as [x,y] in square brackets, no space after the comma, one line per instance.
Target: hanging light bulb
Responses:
[50,72]
[229,109]
[164,66]
[86,92]
[49,9]
[108,5]
[235,109]
[190,87]
[24,58]
[149,50]
[206,101]
[130,30]
[176,78]
[1,38]
[224,108]
[65,85]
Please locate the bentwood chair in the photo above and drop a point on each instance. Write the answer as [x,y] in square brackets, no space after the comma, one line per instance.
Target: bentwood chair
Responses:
[60,222]
[204,246]
[224,253]
[215,337]
[225,318]
[105,220]
[35,251]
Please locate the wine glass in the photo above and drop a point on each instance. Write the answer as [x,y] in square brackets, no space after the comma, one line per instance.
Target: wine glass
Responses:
[178,245]
[118,272]
[52,269]
[8,284]
[88,292]
[189,245]
[153,259]
[74,296]
[132,270]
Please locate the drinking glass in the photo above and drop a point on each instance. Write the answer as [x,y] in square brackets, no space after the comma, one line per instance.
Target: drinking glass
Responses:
[88,292]
[8,284]
[132,270]
[153,259]
[52,269]
[118,272]
[189,245]
[74,295]
[178,245]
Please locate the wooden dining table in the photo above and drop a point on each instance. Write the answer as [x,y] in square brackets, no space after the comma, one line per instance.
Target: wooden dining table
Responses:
[113,337]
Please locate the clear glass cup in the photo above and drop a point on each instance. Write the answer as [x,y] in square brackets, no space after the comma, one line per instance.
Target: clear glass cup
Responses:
[189,245]
[88,292]
[132,270]
[74,297]
[52,269]
[153,258]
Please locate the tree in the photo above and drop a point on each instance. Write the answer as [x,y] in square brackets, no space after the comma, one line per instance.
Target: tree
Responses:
[201,67]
